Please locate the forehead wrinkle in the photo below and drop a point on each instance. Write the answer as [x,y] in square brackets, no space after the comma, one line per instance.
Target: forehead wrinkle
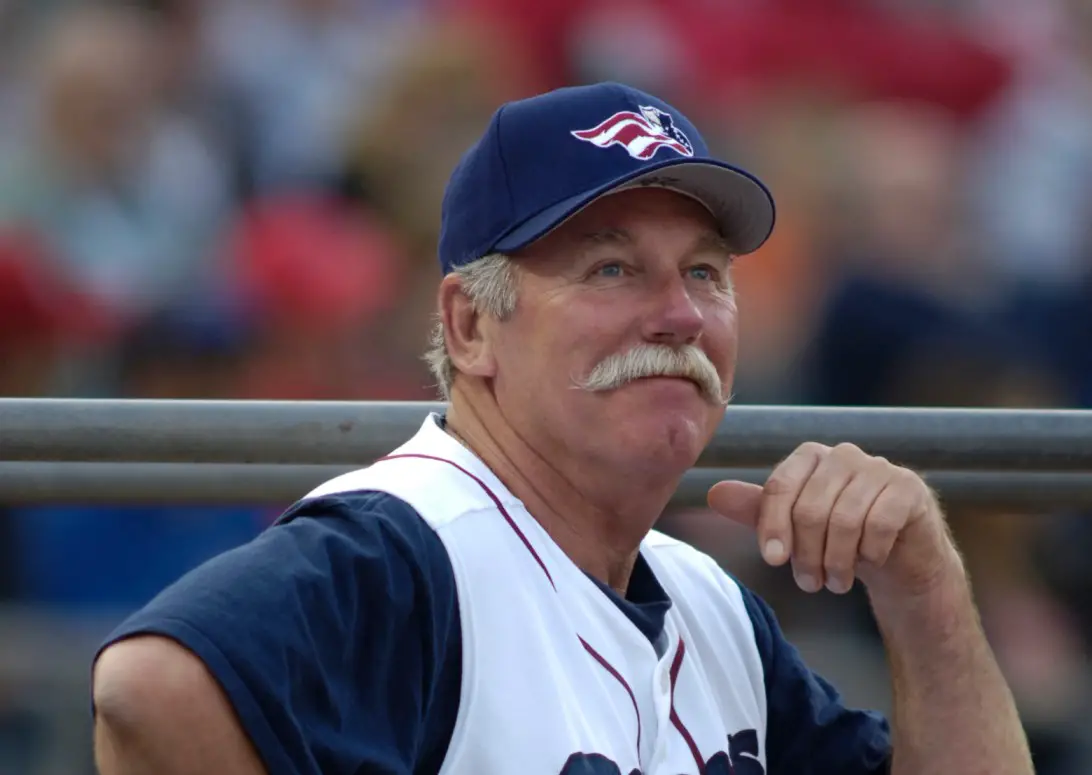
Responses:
[607,236]
[708,242]
[584,243]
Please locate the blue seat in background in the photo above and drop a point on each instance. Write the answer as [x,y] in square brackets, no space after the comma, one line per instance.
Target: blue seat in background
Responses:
[119,557]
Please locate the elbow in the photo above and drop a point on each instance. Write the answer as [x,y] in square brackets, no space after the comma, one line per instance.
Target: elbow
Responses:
[159,709]
[134,679]
[142,689]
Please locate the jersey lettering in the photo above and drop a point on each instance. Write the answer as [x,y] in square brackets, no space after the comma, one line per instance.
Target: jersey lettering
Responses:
[741,759]
[592,764]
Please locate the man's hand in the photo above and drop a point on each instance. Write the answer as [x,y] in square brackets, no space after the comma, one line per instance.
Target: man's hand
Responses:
[840,514]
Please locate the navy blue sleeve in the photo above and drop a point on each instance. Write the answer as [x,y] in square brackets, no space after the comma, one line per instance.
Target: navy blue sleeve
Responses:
[335,634]
[808,727]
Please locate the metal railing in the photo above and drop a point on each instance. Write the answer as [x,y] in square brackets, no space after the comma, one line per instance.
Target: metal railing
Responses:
[127,451]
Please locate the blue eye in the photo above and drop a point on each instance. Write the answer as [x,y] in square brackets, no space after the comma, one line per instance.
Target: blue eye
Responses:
[702,273]
[610,270]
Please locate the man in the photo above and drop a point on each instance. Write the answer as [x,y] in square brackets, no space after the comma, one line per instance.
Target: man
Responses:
[490,598]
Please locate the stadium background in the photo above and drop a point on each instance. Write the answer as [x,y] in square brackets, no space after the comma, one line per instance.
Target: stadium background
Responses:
[240,199]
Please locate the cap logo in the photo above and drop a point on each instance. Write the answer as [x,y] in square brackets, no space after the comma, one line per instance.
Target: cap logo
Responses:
[641,134]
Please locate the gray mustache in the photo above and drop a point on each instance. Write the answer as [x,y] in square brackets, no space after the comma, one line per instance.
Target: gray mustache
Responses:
[656,360]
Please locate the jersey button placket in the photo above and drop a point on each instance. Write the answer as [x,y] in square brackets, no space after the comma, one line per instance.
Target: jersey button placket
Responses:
[661,694]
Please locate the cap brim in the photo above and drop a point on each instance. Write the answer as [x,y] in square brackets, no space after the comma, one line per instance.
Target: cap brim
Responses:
[740,203]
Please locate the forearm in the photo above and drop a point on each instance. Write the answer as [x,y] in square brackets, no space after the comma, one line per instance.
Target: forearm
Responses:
[953,710]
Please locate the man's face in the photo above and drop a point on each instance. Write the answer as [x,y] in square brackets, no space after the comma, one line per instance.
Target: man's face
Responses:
[643,271]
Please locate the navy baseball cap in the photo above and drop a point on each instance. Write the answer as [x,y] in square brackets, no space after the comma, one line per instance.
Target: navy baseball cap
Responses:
[544,158]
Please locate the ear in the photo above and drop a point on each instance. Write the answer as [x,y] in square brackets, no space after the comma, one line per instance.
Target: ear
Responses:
[467,333]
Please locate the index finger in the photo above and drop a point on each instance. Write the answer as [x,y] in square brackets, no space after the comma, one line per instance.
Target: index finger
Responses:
[780,492]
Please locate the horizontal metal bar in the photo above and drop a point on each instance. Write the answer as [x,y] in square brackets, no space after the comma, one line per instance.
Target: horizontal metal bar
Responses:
[264,484]
[352,433]
[158,483]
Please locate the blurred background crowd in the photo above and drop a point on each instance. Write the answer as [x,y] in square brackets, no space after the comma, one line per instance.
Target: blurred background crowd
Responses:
[240,199]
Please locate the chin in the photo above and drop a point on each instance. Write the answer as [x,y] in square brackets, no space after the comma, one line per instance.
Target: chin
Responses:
[667,440]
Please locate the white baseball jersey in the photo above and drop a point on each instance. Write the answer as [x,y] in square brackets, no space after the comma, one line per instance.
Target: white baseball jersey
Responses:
[552,669]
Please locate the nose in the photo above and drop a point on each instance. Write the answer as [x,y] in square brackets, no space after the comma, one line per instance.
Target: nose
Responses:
[674,319]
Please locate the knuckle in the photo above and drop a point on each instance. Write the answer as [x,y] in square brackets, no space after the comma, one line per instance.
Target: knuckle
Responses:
[886,468]
[848,451]
[884,526]
[845,518]
[779,483]
[894,501]
[810,515]
[884,507]
[813,449]
[874,553]
[909,479]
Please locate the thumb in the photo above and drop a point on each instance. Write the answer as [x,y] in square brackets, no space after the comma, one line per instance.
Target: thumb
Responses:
[740,502]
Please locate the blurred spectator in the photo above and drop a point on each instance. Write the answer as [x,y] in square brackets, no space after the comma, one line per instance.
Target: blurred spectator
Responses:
[293,71]
[122,192]
[43,318]
[1033,153]
[316,281]
[404,142]
[697,50]
[192,351]
[403,145]
[905,270]
[791,137]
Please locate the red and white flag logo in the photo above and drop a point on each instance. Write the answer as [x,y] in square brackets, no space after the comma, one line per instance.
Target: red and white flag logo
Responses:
[641,134]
